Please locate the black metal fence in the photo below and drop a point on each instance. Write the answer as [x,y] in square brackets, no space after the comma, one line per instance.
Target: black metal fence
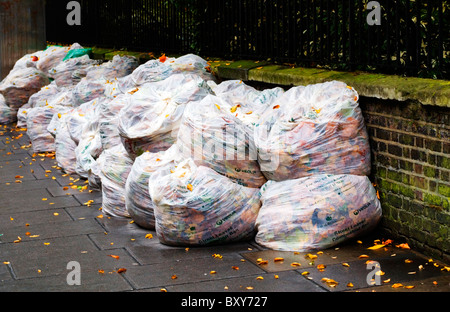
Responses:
[412,38]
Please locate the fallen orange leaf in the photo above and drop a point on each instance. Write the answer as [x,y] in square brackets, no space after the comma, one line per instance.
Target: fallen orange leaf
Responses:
[114,256]
[403,246]
[278,259]
[397,285]
[121,270]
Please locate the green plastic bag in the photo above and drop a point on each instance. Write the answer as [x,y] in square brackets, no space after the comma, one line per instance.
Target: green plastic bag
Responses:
[77,53]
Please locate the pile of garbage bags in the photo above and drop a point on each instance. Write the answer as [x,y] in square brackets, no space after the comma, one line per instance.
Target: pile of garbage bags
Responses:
[199,161]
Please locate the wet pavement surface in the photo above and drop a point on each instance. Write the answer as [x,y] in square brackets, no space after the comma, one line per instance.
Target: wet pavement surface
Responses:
[49,219]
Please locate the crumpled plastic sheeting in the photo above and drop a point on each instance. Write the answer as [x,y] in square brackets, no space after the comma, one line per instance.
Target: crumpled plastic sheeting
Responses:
[20,84]
[316,212]
[114,165]
[311,130]
[151,119]
[214,137]
[247,103]
[138,201]
[196,206]
[68,73]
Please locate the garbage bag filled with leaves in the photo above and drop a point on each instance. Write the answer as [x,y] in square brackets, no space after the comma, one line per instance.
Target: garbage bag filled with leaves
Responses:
[21,84]
[196,206]
[54,55]
[7,114]
[138,201]
[311,130]
[119,66]
[67,129]
[66,73]
[316,212]
[247,103]
[115,165]
[214,137]
[151,119]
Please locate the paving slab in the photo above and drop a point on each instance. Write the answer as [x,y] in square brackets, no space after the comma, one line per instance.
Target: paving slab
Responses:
[290,282]
[90,282]
[158,253]
[51,230]
[11,187]
[174,272]
[24,219]
[31,200]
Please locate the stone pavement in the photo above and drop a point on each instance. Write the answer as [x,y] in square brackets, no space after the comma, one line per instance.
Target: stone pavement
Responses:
[49,219]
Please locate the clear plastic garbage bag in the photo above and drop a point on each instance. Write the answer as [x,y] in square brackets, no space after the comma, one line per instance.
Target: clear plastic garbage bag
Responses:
[196,206]
[316,212]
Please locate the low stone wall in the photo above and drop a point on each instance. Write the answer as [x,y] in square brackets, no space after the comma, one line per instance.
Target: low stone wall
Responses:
[411,167]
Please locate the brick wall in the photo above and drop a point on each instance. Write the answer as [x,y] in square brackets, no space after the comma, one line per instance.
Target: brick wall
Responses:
[411,167]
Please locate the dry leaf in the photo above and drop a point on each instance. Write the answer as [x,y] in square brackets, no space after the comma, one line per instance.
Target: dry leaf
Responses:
[397,285]
[375,247]
[363,257]
[149,236]
[409,287]
[260,261]
[260,278]
[114,256]
[190,187]
[349,285]
[217,256]
[295,264]
[310,256]
[276,107]
[305,273]
[403,246]
[321,267]
[174,277]
[212,272]
[330,282]
[278,259]
[235,268]
[276,276]
[408,261]
[121,270]
[346,264]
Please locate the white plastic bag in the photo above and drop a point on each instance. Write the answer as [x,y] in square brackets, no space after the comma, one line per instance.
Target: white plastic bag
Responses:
[316,212]
[20,84]
[114,165]
[7,114]
[151,119]
[312,130]
[63,73]
[216,138]
[247,103]
[120,66]
[138,201]
[196,206]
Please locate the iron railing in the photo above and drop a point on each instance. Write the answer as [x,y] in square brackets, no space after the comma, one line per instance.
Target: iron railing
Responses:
[412,39]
